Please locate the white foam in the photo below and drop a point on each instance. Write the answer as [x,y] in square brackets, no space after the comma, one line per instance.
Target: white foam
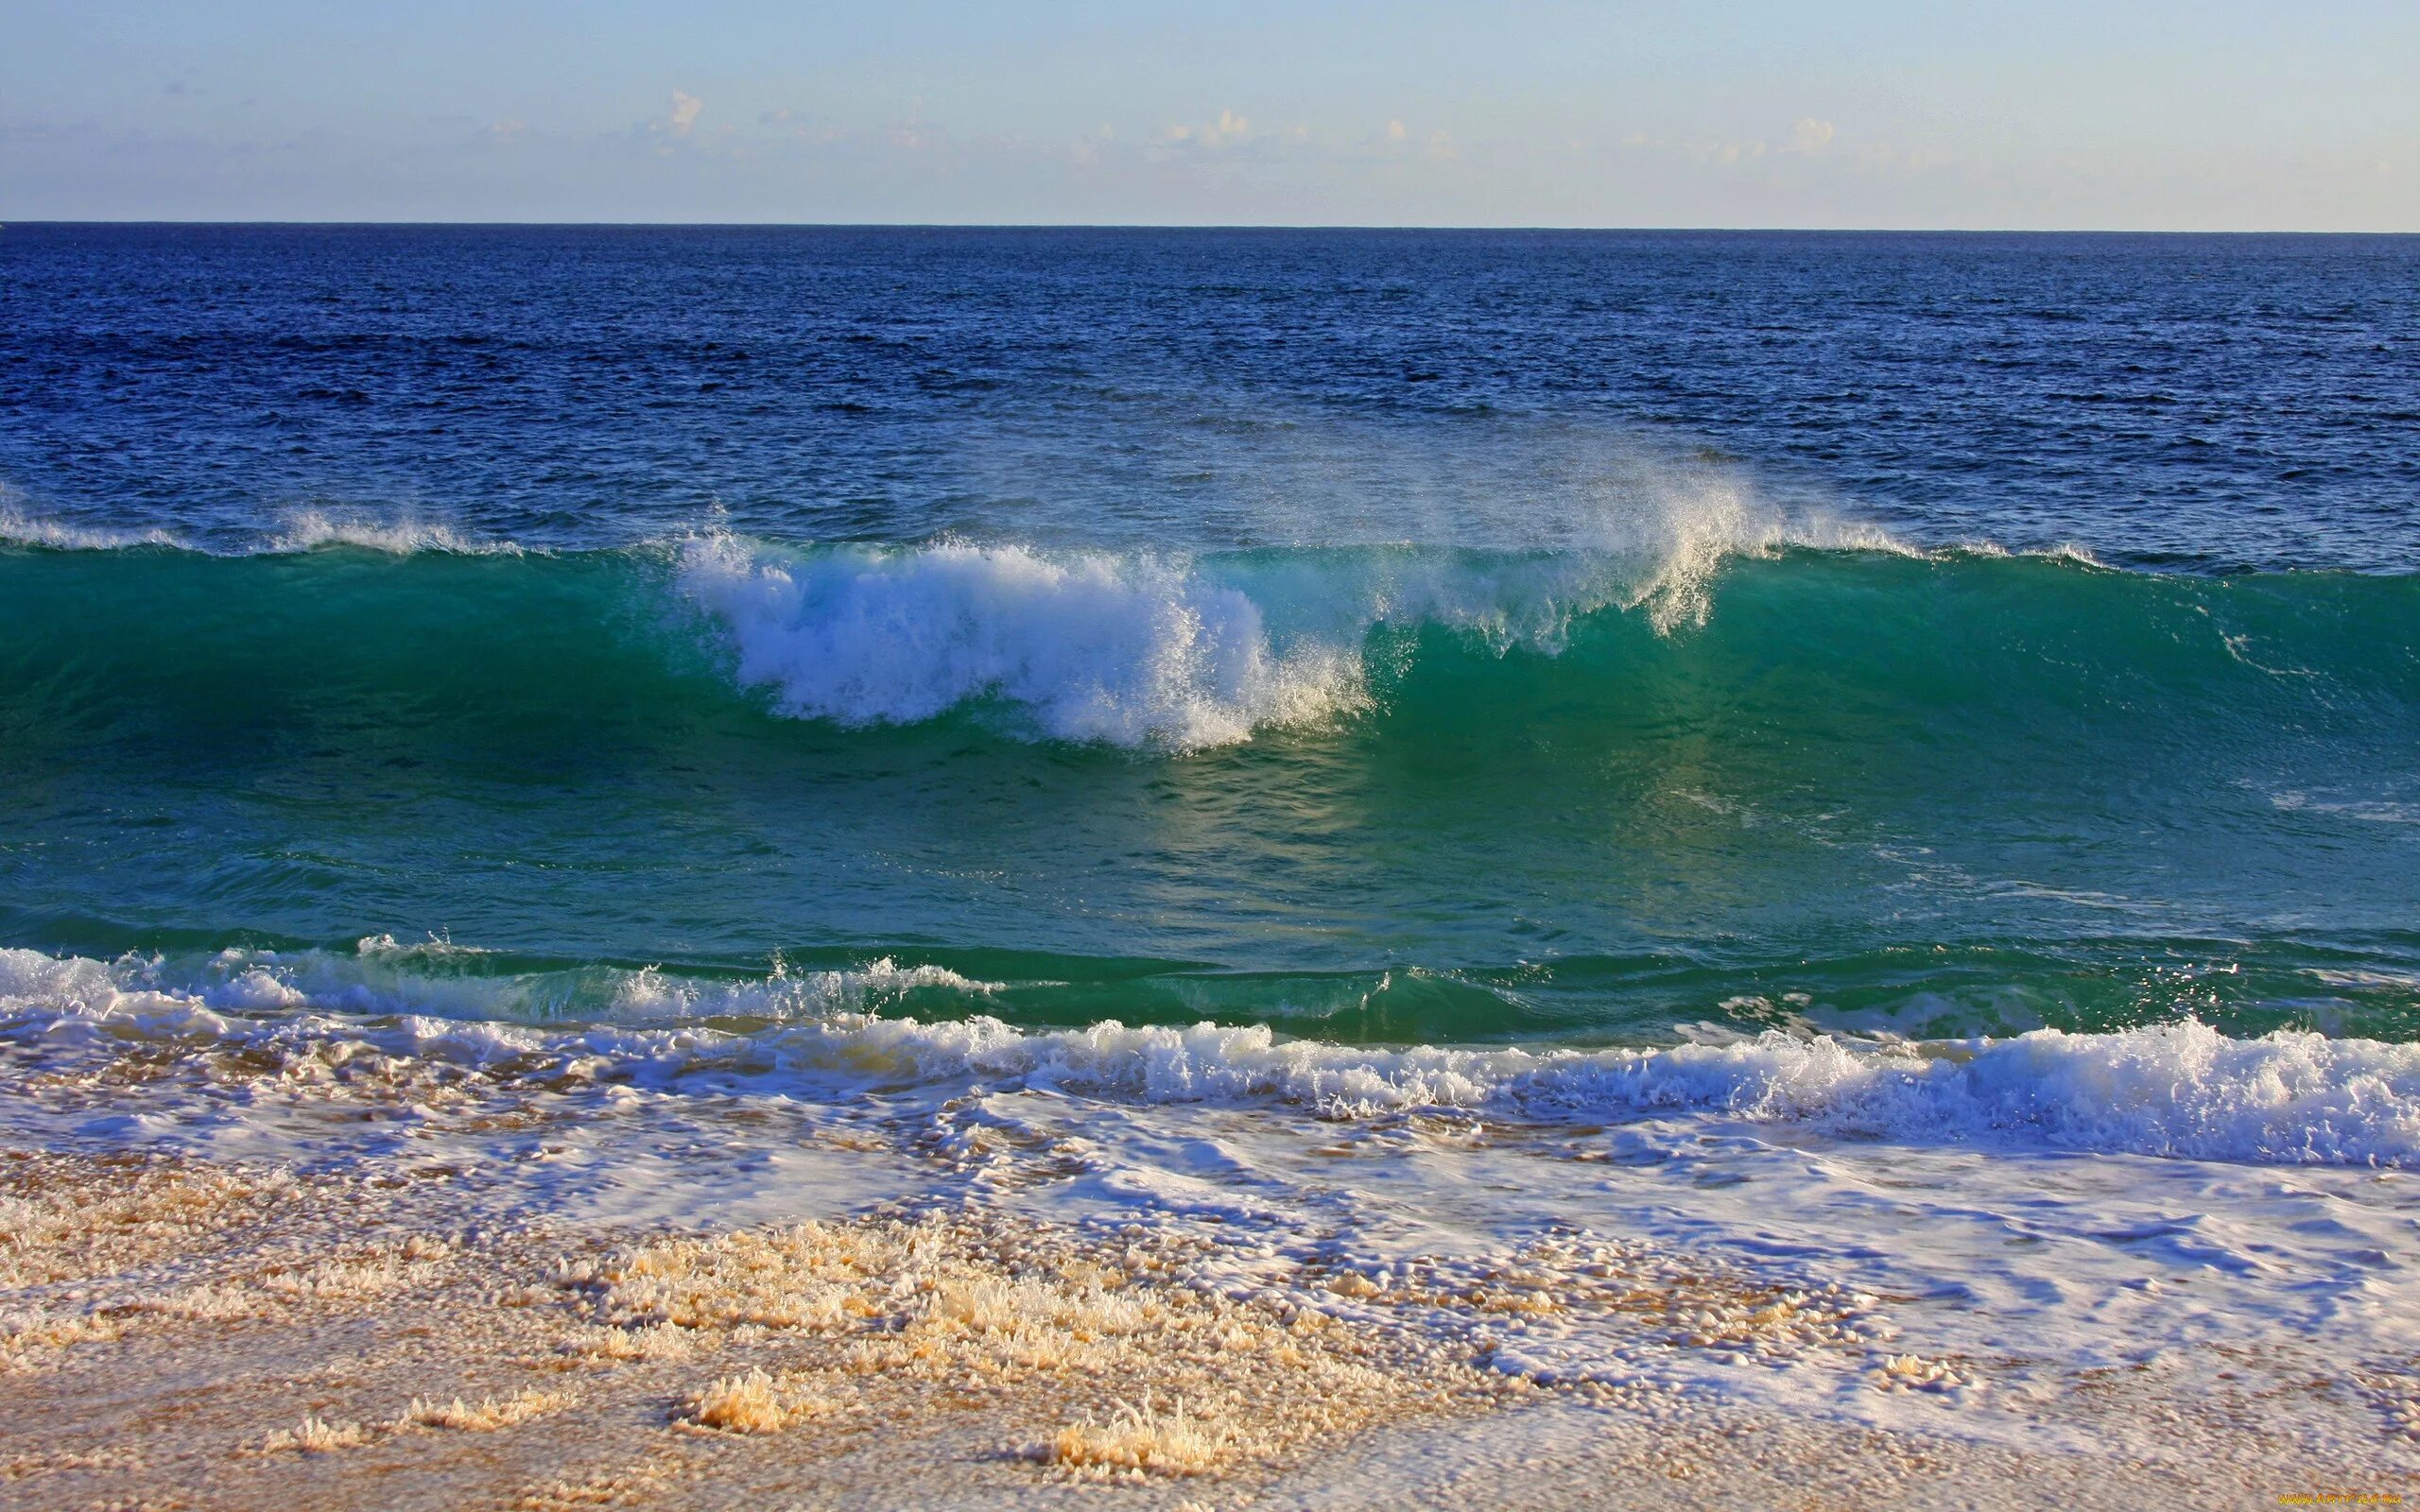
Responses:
[650,995]
[2177,1089]
[403,536]
[1131,650]
[296,531]
[383,979]
[18,528]
[2180,1089]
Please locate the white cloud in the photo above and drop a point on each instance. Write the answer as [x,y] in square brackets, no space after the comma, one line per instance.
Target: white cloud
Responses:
[1395,132]
[684,111]
[1810,136]
[1228,128]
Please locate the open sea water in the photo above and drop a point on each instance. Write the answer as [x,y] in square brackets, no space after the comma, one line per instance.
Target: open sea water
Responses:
[1586,668]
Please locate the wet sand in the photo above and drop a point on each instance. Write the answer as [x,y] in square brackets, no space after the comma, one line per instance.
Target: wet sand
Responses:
[199,1334]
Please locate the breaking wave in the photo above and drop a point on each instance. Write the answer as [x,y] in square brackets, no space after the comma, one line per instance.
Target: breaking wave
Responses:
[1181,653]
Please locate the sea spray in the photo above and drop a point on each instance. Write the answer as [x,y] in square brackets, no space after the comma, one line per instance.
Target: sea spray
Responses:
[1133,651]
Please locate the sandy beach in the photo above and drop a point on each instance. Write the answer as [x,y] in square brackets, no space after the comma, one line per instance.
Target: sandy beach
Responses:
[437,1324]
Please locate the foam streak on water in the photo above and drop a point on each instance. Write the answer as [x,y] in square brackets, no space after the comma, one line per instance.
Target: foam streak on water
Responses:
[2182,1090]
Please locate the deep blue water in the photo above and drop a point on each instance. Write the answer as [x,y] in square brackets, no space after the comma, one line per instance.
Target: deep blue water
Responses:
[2217,402]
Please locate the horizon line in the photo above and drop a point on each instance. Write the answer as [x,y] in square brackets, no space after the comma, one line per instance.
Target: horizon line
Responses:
[1189,225]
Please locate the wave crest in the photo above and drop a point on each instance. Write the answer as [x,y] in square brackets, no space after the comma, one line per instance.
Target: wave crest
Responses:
[20,528]
[1184,653]
[295,532]
[1128,650]
[403,536]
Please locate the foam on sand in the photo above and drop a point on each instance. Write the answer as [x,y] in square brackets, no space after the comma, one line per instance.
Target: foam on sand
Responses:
[1204,1254]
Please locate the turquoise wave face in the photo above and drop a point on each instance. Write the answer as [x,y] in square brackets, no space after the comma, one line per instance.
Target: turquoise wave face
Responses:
[1371,795]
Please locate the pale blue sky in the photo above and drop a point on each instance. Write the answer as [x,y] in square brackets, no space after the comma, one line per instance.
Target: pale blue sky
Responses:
[1858,113]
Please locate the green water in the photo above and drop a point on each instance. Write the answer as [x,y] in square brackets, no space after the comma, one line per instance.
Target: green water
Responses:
[1945,795]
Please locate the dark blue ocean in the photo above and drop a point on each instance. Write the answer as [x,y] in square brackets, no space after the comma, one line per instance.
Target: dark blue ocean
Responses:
[1386,636]
[2207,403]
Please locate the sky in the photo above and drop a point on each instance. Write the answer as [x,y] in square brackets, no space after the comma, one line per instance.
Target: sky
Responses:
[2115,114]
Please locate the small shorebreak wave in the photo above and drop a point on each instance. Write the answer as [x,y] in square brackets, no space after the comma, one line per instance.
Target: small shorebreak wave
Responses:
[2177,1089]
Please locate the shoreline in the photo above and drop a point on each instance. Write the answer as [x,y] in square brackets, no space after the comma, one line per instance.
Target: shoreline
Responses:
[306,1259]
